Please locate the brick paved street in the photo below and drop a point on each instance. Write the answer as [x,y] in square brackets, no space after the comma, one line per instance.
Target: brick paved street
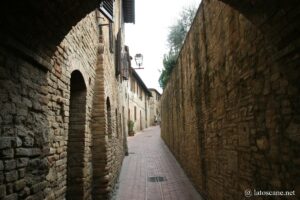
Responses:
[150,172]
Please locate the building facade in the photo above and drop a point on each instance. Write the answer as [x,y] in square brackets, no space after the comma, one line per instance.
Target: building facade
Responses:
[155,114]
[139,97]
[62,118]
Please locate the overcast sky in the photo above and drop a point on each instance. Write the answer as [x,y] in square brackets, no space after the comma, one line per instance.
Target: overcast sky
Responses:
[148,35]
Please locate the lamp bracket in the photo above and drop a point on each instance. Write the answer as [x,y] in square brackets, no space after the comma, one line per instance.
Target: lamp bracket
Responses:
[103,25]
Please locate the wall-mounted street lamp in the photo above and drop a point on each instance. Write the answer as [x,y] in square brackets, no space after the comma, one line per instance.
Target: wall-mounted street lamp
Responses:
[138,60]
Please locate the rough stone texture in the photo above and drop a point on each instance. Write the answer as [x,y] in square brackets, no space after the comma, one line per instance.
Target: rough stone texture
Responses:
[38,125]
[139,104]
[21,89]
[155,110]
[109,125]
[230,113]
[77,52]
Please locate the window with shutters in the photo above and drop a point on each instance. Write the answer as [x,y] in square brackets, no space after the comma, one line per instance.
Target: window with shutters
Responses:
[107,8]
[111,38]
[125,63]
[118,53]
[122,58]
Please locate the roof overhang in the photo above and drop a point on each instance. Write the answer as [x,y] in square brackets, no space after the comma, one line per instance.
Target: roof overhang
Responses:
[155,90]
[140,81]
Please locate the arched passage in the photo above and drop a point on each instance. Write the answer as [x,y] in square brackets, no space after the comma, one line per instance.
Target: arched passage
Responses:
[76,138]
[42,25]
[108,117]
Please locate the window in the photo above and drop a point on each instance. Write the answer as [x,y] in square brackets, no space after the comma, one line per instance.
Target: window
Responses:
[132,85]
[125,63]
[111,38]
[107,9]
[141,95]
[108,118]
[118,53]
[117,123]
[134,113]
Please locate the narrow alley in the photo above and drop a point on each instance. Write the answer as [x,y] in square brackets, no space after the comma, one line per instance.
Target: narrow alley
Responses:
[83,85]
[151,172]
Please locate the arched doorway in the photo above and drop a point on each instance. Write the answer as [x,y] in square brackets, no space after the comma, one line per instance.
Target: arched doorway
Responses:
[141,123]
[108,117]
[75,149]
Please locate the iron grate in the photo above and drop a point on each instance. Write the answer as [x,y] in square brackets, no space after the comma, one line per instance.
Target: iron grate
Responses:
[155,179]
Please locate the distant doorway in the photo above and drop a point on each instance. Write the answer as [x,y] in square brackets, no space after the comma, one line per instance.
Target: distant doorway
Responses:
[76,138]
[108,118]
[141,123]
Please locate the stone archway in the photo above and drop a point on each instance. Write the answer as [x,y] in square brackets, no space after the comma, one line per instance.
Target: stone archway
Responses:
[76,138]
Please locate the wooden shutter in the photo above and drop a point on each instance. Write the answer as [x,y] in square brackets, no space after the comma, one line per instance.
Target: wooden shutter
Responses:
[125,64]
[107,8]
[118,53]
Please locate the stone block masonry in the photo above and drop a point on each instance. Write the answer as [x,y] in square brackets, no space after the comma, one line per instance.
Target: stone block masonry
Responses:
[24,128]
[230,112]
[53,121]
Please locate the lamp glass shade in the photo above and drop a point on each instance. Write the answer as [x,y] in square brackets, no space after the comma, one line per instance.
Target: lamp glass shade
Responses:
[138,59]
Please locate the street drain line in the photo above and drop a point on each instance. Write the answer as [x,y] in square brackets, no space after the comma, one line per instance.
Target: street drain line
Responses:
[156,179]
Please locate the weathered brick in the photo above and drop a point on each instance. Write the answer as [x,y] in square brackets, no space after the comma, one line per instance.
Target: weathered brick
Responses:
[7,153]
[19,185]
[6,142]
[2,191]
[23,152]
[38,187]
[28,141]
[11,197]
[11,176]
[24,193]
[9,164]
[1,177]
[41,122]
[206,120]
[22,172]
[22,162]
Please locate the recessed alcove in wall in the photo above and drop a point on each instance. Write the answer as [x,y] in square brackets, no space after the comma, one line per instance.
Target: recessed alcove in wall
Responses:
[76,137]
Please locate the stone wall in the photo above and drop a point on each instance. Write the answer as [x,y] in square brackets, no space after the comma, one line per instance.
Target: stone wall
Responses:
[154,107]
[108,135]
[24,142]
[139,103]
[76,53]
[229,113]
[54,129]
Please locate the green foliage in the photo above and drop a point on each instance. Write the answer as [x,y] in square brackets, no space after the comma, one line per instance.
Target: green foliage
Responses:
[130,125]
[179,30]
[169,63]
[175,41]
